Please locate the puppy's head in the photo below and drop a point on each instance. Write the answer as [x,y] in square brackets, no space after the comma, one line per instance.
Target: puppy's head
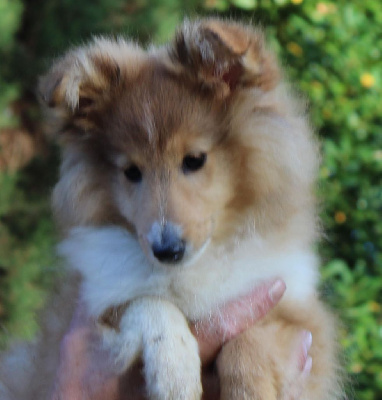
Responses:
[177,144]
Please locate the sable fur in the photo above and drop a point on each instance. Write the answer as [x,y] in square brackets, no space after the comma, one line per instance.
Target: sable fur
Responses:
[248,215]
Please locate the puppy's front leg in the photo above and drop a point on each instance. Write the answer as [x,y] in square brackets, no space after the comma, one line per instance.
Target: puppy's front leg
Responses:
[266,362]
[158,331]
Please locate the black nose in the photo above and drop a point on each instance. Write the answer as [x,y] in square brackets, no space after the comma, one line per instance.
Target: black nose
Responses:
[169,252]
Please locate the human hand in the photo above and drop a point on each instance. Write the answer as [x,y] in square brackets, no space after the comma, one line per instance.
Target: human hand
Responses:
[84,373]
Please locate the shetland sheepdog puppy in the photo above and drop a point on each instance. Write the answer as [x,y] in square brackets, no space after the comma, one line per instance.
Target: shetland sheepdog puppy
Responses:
[187,178]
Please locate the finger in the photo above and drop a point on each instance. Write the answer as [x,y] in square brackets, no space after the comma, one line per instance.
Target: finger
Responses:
[82,372]
[303,349]
[73,346]
[234,317]
[300,365]
[68,382]
[80,317]
[240,314]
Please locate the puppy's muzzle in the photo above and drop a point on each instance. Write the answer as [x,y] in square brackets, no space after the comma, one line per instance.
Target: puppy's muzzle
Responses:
[168,247]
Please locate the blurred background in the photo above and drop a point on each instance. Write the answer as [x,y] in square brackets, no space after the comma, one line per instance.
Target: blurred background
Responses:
[331,51]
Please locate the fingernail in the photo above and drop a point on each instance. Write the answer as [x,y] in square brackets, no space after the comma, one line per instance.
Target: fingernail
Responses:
[307,366]
[276,291]
[307,341]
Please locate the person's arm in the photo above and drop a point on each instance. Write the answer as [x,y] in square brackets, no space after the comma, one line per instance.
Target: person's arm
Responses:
[84,374]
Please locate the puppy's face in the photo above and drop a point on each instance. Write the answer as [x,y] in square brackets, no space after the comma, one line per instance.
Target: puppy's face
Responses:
[170,180]
[152,142]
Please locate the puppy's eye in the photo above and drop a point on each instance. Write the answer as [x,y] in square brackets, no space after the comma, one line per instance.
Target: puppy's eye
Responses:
[133,174]
[192,163]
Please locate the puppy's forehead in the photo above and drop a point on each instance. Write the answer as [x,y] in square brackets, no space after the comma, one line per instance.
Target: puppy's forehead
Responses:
[158,109]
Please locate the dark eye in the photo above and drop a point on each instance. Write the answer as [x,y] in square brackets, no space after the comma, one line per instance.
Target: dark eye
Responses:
[192,163]
[133,174]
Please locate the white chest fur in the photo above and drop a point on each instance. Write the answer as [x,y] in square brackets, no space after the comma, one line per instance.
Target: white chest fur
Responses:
[115,271]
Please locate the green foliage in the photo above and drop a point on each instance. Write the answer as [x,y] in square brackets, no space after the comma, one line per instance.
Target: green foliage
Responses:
[357,297]
[10,13]
[26,247]
[332,51]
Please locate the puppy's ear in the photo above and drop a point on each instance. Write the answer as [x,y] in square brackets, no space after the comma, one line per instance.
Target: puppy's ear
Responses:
[80,85]
[225,56]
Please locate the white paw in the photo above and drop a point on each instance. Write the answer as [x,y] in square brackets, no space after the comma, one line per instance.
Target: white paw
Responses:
[172,367]
[156,330]
[124,347]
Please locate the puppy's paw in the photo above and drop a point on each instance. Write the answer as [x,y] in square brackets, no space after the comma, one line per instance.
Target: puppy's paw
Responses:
[170,354]
[260,365]
[156,330]
[172,367]
[123,346]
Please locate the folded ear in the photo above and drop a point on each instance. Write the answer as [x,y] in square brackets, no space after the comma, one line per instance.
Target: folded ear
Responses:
[225,56]
[82,83]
